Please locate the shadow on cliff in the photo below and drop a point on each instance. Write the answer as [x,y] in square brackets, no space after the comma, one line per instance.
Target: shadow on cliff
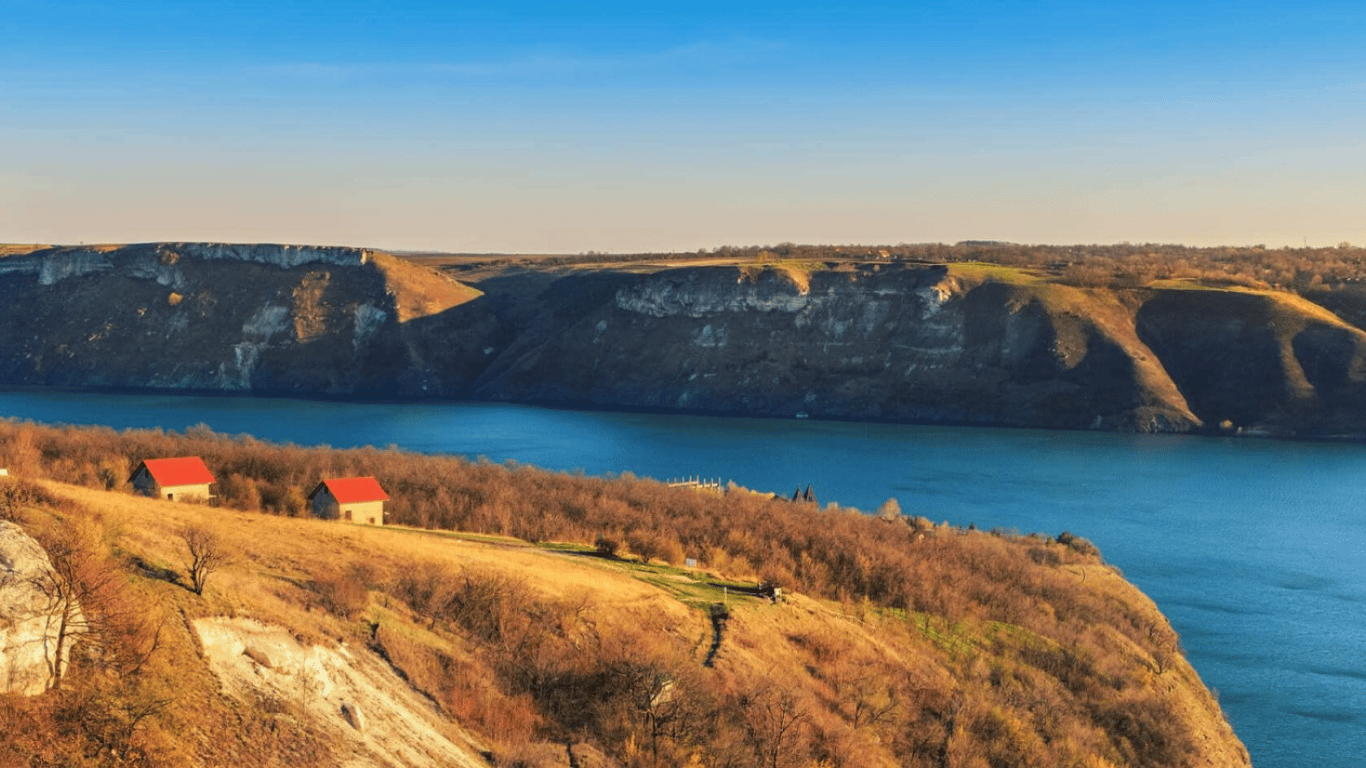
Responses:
[465,345]
[1252,360]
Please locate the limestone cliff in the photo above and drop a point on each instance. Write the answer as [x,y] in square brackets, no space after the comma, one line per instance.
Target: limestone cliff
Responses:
[912,344]
[966,344]
[352,695]
[31,653]
[279,319]
[891,341]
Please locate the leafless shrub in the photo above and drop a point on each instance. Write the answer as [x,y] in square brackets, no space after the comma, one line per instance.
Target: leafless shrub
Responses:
[15,495]
[774,721]
[207,555]
[341,595]
[1078,544]
[607,546]
[18,494]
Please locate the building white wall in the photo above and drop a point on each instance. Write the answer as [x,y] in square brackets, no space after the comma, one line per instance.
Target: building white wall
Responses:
[368,512]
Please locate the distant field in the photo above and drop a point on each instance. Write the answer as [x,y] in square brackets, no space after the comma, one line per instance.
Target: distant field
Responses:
[18,249]
[1117,265]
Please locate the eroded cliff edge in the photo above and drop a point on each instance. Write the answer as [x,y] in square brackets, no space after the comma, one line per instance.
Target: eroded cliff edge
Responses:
[211,317]
[959,343]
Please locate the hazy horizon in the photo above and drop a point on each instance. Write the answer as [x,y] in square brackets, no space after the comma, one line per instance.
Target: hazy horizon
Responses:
[621,128]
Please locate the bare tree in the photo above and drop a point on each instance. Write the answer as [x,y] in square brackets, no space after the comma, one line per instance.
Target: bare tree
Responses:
[13,498]
[863,688]
[85,603]
[64,587]
[207,555]
[773,722]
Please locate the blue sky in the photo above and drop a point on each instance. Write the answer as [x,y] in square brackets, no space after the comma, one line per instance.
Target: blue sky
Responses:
[625,127]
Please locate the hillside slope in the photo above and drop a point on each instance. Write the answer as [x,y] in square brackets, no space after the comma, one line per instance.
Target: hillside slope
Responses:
[964,343]
[924,344]
[961,343]
[193,316]
[330,644]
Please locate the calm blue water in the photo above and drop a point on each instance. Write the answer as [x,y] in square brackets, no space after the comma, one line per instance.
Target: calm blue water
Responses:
[1254,549]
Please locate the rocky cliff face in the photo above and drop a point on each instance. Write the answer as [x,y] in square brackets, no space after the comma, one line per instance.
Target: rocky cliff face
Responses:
[353,695]
[281,319]
[907,344]
[940,344]
[29,623]
[964,344]
[159,261]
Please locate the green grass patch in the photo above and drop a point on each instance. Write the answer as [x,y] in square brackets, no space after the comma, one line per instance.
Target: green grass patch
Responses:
[956,639]
[690,587]
[483,538]
[397,624]
[566,546]
[1012,636]
[962,641]
[983,271]
[1184,284]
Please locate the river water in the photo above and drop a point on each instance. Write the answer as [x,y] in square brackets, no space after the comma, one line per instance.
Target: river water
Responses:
[1253,549]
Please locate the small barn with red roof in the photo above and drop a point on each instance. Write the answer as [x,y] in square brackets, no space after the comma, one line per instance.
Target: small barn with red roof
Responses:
[180,479]
[353,499]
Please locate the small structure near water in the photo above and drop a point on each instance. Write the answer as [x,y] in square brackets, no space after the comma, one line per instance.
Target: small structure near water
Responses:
[702,484]
[352,499]
[180,479]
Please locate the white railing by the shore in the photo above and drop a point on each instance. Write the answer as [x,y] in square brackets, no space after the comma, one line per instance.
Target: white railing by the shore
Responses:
[713,484]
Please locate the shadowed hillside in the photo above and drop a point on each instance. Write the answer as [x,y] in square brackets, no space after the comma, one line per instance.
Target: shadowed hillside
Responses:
[186,316]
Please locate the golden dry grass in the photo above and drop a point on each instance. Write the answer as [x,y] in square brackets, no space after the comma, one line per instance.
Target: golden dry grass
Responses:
[916,645]
[277,552]
[421,292]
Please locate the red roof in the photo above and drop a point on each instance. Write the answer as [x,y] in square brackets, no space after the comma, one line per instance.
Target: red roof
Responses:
[350,490]
[188,470]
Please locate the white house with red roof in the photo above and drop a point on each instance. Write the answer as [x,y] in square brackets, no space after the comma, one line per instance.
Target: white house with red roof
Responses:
[180,479]
[353,499]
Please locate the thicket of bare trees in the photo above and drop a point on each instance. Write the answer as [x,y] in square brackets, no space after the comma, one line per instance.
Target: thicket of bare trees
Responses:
[102,640]
[836,553]
[993,629]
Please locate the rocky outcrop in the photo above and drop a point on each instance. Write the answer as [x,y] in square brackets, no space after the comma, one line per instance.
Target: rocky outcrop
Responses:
[919,344]
[946,344]
[158,260]
[887,341]
[29,622]
[195,316]
[352,696]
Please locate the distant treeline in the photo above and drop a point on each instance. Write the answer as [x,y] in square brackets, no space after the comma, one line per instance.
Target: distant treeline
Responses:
[1118,265]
